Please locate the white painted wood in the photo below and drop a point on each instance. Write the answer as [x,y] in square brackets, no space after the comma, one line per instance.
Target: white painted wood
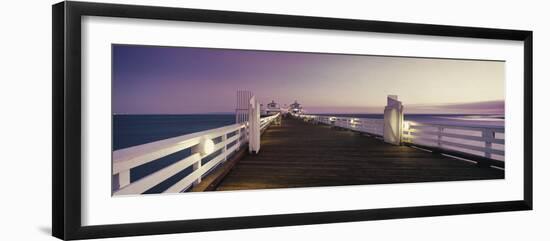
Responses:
[123,179]
[424,134]
[430,134]
[254,126]
[241,111]
[488,135]
[131,157]
[416,132]
[439,132]
[155,178]
[417,125]
[393,120]
[197,165]
[267,121]
[224,151]
[463,146]
[139,155]
[365,125]
[190,179]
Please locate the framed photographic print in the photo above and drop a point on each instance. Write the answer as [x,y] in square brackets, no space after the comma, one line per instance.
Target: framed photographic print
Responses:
[170,120]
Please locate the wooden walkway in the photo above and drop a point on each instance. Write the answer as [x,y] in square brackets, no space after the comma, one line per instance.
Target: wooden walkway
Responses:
[299,154]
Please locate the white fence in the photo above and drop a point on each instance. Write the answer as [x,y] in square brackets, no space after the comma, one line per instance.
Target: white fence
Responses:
[243,105]
[479,141]
[229,140]
[266,121]
[365,125]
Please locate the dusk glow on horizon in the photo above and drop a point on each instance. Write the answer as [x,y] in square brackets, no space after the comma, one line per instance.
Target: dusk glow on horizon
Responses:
[181,80]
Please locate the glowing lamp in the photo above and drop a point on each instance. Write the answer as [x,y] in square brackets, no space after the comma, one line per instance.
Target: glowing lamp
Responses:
[206,146]
[406,126]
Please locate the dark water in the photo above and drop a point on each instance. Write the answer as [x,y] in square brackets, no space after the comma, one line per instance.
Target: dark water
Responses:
[131,130]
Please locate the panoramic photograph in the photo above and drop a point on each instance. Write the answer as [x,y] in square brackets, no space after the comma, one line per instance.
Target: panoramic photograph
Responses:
[190,119]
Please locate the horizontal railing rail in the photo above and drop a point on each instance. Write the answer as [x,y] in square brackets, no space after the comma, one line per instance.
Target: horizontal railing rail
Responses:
[365,125]
[486,142]
[266,121]
[201,144]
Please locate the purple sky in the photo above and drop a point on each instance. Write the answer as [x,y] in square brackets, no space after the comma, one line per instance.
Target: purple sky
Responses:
[179,80]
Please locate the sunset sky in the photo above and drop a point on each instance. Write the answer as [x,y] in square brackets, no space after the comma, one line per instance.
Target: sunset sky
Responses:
[179,80]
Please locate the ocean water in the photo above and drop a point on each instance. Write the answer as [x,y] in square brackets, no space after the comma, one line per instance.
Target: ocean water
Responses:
[131,130]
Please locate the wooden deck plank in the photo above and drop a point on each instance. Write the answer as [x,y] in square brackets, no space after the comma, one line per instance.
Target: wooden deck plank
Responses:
[299,154]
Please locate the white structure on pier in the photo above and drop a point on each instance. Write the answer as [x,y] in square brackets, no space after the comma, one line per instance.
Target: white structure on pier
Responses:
[393,121]
[295,108]
[487,142]
[272,108]
[241,111]
[229,140]
[248,112]
[254,125]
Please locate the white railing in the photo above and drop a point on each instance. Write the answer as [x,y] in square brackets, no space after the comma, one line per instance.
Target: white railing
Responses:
[478,141]
[364,125]
[266,121]
[229,140]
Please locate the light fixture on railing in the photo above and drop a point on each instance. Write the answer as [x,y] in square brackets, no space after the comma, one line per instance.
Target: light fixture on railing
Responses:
[406,125]
[206,146]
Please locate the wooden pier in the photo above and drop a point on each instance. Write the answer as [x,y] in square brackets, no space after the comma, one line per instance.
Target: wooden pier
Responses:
[311,151]
[300,154]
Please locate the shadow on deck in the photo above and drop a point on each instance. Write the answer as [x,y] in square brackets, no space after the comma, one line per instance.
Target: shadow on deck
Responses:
[299,154]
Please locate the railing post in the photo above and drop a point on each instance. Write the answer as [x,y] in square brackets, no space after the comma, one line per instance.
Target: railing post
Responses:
[393,121]
[224,151]
[254,126]
[204,148]
[278,120]
[121,180]
[242,114]
[488,135]
[439,136]
[238,143]
[197,165]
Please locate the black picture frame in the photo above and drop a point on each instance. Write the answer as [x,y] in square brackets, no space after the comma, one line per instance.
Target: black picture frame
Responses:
[66,159]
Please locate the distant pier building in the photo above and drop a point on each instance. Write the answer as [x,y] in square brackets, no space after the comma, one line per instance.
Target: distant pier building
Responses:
[273,108]
[295,108]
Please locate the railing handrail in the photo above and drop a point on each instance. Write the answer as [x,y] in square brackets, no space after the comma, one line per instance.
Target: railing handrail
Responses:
[130,157]
[417,133]
[264,122]
[340,117]
[414,130]
[366,125]
[126,159]
[474,128]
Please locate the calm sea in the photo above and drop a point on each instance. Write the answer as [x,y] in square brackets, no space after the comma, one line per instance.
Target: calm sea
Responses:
[131,130]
